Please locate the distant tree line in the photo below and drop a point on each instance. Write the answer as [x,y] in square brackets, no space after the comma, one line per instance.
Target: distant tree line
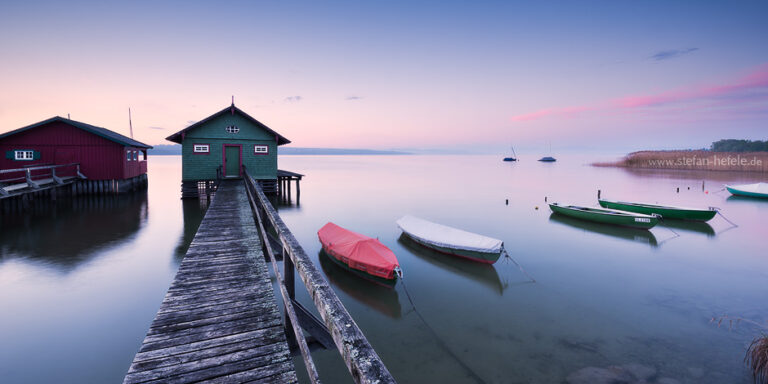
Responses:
[733,145]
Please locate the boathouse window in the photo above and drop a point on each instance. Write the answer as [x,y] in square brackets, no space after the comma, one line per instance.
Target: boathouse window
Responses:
[135,155]
[261,149]
[24,155]
[232,129]
[201,148]
[128,156]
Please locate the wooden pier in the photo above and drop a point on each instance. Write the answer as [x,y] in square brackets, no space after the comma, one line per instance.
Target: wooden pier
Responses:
[21,187]
[284,179]
[219,320]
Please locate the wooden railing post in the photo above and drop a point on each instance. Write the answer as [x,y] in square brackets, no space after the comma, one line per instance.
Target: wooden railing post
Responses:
[31,183]
[362,361]
[290,288]
[56,179]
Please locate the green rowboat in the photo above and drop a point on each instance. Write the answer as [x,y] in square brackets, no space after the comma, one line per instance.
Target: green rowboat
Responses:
[666,212]
[606,216]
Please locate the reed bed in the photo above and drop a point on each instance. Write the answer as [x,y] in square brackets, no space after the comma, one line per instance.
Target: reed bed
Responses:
[757,359]
[699,160]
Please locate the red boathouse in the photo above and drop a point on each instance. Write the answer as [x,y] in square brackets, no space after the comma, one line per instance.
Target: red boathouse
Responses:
[102,155]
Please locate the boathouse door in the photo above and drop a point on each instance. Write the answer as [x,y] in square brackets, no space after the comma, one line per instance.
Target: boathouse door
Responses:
[231,161]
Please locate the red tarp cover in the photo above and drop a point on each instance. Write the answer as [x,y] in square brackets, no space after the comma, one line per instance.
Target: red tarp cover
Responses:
[358,251]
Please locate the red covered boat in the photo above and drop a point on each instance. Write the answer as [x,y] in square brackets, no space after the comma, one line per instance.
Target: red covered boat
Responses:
[359,252]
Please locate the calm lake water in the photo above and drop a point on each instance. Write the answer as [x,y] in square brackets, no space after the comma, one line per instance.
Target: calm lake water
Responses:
[80,282]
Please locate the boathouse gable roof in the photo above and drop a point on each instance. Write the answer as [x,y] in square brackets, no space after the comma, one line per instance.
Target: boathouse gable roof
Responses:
[230,115]
[98,131]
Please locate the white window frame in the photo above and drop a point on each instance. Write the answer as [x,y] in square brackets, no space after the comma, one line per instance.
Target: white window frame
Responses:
[260,149]
[128,156]
[201,148]
[23,155]
[232,129]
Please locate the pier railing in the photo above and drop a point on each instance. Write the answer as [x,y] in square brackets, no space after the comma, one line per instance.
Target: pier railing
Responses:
[361,359]
[29,174]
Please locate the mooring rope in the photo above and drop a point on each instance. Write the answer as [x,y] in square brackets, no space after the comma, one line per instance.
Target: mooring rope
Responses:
[440,341]
[520,267]
[676,235]
[725,218]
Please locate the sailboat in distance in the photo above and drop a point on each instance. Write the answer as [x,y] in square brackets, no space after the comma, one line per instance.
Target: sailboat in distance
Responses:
[548,159]
[514,156]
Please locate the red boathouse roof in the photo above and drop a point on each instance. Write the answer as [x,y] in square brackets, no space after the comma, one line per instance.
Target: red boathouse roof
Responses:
[98,131]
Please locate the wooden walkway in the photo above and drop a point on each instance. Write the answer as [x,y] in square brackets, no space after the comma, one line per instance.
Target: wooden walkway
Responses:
[219,321]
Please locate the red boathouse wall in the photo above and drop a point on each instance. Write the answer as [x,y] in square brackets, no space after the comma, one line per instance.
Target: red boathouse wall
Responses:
[61,143]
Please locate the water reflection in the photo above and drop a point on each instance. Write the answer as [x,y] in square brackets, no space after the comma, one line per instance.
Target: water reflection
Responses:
[713,178]
[689,226]
[636,235]
[67,233]
[193,212]
[373,294]
[484,274]
[746,199]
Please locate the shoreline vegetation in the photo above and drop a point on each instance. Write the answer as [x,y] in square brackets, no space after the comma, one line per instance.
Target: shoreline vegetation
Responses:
[723,155]
[698,160]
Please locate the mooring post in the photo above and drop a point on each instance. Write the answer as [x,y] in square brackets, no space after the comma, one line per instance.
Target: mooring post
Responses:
[598,194]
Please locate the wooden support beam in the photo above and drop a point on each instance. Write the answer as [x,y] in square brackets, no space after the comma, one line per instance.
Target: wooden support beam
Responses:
[362,361]
[31,183]
[298,190]
[56,179]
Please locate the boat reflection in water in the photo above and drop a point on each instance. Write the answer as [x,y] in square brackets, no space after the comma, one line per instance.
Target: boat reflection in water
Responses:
[375,294]
[689,226]
[485,274]
[81,226]
[745,199]
[637,235]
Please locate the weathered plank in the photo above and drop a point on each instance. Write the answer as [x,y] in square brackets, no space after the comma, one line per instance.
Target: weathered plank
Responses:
[219,320]
[361,359]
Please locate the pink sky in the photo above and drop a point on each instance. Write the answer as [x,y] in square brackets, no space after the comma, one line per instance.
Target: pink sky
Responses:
[750,89]
[400,75]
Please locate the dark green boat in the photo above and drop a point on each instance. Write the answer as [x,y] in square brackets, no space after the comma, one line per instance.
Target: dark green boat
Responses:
[606,216]
[666,212]
[632,234]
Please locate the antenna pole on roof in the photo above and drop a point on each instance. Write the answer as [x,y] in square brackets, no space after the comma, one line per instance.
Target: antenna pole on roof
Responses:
[130,124]
[68,117]
[232,109]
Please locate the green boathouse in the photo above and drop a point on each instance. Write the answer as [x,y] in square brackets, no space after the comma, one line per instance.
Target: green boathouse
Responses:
[221,144]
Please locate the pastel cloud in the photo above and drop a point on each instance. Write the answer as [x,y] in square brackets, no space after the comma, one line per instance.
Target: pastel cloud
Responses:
[672,53]
[292,99]
[752,87]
